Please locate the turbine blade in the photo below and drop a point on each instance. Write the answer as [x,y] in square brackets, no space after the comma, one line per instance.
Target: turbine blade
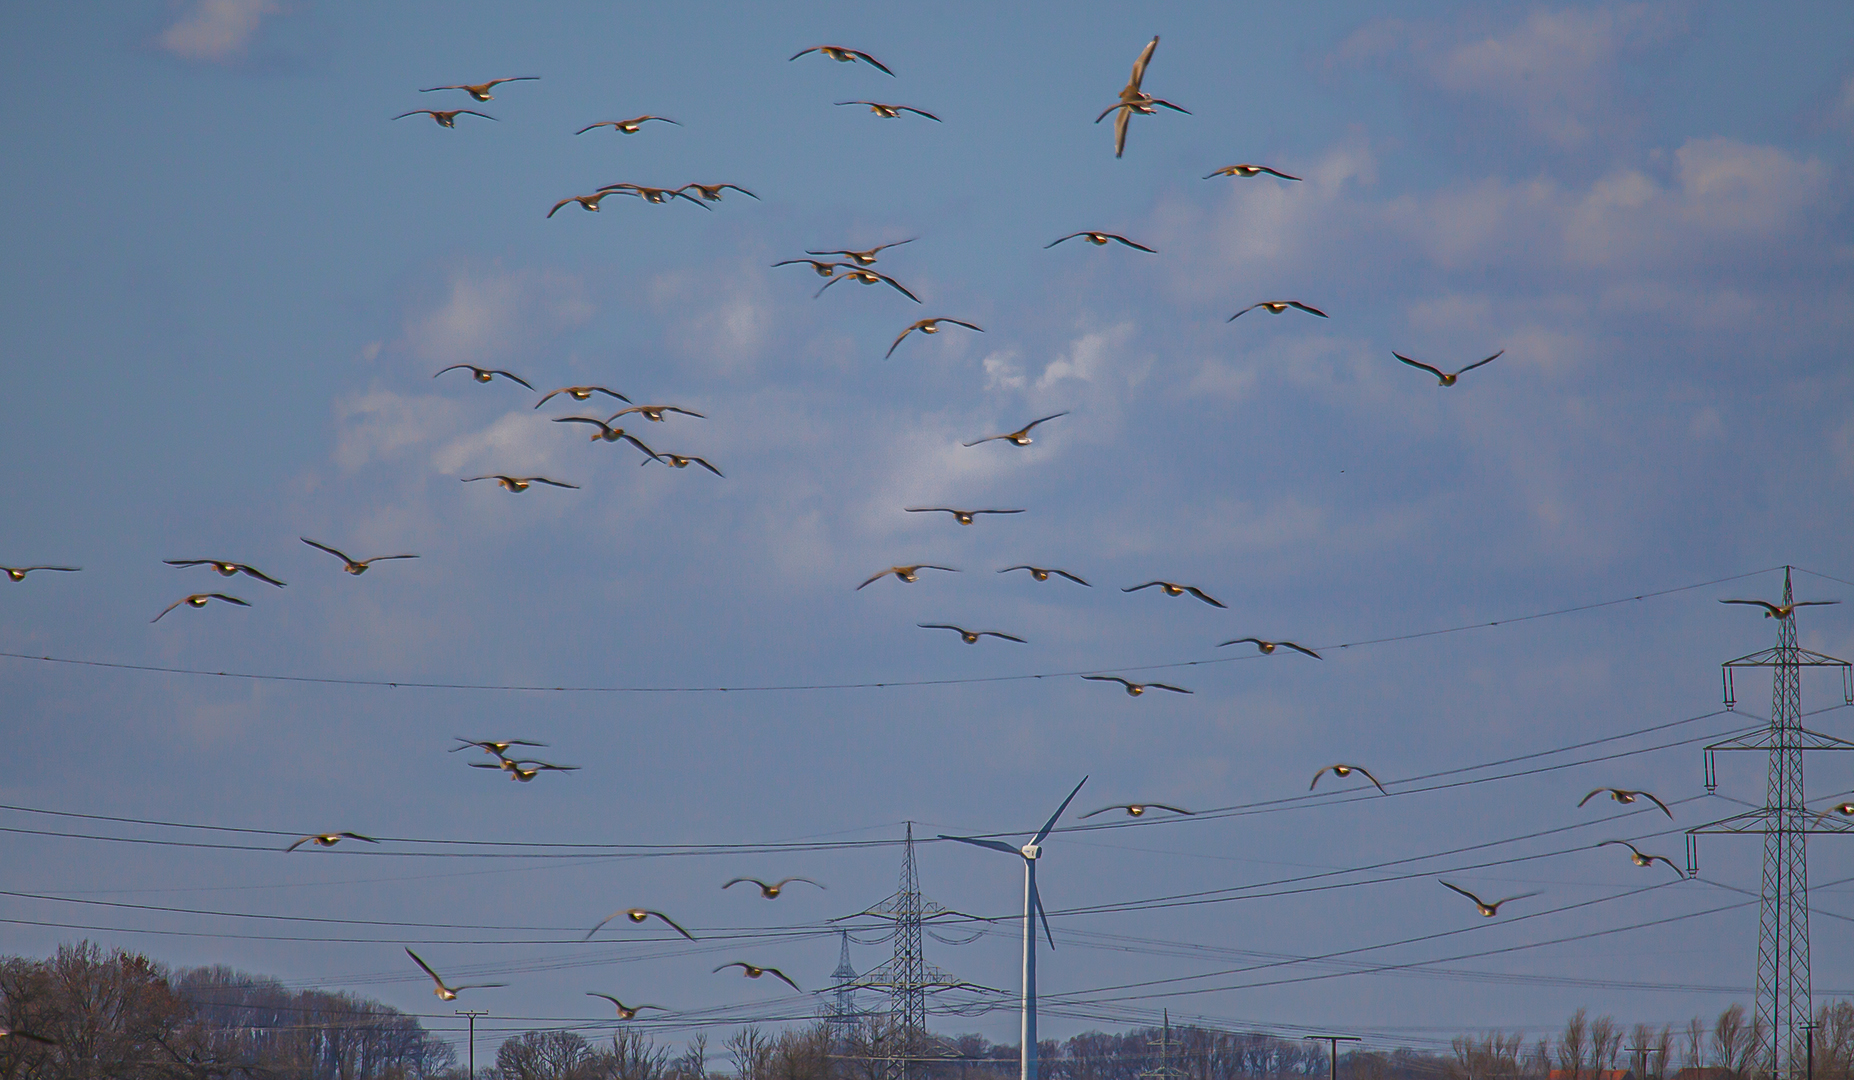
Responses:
[1043,833]
[1036,898]
[995,845]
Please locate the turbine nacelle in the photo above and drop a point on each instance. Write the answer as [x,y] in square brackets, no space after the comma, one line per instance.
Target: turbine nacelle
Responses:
[1030,851]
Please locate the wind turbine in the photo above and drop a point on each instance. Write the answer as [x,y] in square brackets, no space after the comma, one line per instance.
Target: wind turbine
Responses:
[1033,909]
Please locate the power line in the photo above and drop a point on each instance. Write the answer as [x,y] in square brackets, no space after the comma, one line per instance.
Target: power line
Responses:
[413,684]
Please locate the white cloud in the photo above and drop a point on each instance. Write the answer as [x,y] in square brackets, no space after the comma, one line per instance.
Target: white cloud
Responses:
[216,30]
[720,319]
[487,316]
[380,425]
[1098,356]
[1559,70]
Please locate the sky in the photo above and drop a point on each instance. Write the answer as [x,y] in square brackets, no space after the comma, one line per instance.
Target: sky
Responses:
[234,276]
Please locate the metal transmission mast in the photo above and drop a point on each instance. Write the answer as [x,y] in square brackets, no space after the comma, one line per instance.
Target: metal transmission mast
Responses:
[906,976]
[841,1014]
[1165,1070]
[1783,989]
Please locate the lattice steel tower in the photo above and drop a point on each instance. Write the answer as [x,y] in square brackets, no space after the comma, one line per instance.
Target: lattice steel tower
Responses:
[1783,989]
[841,1014]
[906,976]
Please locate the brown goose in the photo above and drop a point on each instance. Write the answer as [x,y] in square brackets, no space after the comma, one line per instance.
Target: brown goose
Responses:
[769,892]
[447,993]
[1625,797]
[481,91]
[1343,771]
[712,192]
[356,567]
[1249,171]
[18,573]
[654,413]
[753,972]
[928,326]
[638,915]
[964,517]
[892,112]
[1268,647]
[1643,859]
[1445,378]
[1020,437]
[1174,589]
[868,277]
[444,117]
[1135,689]
[581,393]
[1486,909]
[1041,573]
[199,600]
[227,569]
[1276,307]
[1099,239]
[1781,611]
[625,1012]
[518,483]
[328,839]
[484,375]
[843,56]
[904,573]
[626,127]
[867,256]
[1139,809]
[970,637]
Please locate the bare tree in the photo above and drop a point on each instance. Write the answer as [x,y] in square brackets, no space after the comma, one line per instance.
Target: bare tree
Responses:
[1573,1044]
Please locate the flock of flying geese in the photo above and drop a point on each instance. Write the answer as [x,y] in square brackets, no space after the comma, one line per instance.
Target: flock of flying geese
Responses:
[839,265]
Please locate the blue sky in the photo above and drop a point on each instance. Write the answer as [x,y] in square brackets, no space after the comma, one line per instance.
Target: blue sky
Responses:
[234,276]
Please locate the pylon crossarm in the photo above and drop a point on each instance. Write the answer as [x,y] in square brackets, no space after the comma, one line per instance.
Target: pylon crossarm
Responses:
[1781,657]
[1767,738]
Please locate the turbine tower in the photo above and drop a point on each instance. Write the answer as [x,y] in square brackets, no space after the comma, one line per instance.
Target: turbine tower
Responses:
[1783,987]
[1033,909]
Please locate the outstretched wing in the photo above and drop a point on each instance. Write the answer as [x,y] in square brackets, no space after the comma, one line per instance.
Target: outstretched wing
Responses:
[1071,577]
[1299,649]
[1436,371]
[1478,363]
[421,963]
[1131,244]
[1139,66]
[1463,892]
[1204,596]
[781,976]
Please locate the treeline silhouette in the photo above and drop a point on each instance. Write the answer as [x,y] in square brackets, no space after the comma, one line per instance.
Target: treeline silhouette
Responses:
[88,1014]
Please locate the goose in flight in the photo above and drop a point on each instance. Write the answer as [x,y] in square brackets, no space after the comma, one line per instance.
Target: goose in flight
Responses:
[905,573]
[588,203]
[892,112]
[658,195]
[1020,437]
[18,573]
[328,839]
[606,432]
[964,517]
[490,746]
[444,117]
[1247,171]
[867,256]
[712,192]
[481,91]
[1486,909]
[1139,809]
[868,277]
[1134,99]
[1625,797]
[523,770]
[1174,589]
[1268,647]
[1099,239]
[1343,771]
[928,326]
[970,637]
[1276,307]
[199,600]
[1041,573]
[518,483]
[1643,859]
[626,127]
[447,993]
[752,972]
[824,269]
[654,413]
[844,56]
[581,393]
[625,1012]
[682,461]
[227,569]
[638,915]
[484,375]
[1845,809]
[769,892]
[1781,611]
[1447,378]
[356,567]
[1135,689]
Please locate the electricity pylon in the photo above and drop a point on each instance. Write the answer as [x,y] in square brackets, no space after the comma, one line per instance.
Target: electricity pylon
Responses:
[1783,988]
[1165,1070]
[906,976]
[841,1014]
